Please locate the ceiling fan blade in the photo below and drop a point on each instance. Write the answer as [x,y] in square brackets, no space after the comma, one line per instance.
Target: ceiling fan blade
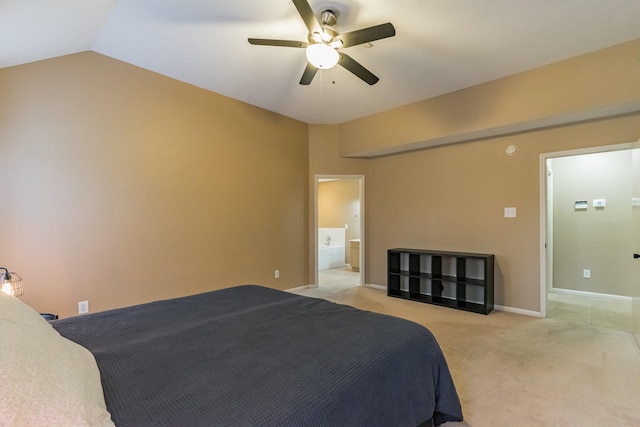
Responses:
[308,75]
[272,42]
[366,35]
[354,66]
[309,18]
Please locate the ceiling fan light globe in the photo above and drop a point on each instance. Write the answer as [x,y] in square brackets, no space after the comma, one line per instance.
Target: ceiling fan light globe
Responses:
[322,56]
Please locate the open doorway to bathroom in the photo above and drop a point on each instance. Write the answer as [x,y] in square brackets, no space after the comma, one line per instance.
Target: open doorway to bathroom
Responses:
[339,230]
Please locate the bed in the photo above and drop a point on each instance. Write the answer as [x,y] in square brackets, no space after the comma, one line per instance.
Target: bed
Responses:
[255,356]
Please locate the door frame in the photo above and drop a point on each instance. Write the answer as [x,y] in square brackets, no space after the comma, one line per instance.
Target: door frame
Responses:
[361,186]
[546,247]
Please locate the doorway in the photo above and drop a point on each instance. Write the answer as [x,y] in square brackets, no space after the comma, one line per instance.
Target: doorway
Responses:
[590,231]
[339,230]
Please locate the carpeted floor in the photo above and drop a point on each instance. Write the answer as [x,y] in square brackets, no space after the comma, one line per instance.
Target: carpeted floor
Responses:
[514,370]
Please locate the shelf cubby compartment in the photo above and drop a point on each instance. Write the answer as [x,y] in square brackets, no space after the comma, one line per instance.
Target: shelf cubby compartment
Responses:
[452,279]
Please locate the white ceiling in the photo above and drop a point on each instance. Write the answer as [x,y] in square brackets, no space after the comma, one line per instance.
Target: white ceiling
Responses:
[440,45]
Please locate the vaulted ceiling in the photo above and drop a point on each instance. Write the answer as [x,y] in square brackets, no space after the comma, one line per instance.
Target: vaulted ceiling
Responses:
[440,45]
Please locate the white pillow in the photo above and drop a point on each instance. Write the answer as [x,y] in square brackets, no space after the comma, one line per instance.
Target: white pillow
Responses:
[45,379]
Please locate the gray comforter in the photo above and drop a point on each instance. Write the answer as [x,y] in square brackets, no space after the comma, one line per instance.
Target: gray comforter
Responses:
[254,356]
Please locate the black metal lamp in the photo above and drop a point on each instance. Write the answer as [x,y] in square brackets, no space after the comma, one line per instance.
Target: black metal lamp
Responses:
[11,282]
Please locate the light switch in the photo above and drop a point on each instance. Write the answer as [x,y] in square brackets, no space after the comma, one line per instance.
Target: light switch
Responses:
[509,212]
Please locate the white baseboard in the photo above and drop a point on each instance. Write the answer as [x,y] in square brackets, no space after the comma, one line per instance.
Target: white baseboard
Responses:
[590,294]
[299,288]
[517,311]
[496,307]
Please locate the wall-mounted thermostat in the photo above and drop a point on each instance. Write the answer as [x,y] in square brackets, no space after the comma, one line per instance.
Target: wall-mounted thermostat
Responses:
[581,204]
[599,203]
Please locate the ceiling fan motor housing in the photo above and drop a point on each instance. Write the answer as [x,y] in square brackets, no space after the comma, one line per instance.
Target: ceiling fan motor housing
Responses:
[328,17]
[328,20]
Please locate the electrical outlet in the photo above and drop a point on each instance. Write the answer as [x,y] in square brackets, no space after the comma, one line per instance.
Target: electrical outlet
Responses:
[586,274]
[276,274]
[83,307]
[509,212]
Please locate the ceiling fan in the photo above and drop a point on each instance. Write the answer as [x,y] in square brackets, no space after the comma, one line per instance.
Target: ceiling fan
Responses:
[324,42]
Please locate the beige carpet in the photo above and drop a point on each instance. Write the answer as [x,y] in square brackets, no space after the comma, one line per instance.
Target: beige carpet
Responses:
[514,370]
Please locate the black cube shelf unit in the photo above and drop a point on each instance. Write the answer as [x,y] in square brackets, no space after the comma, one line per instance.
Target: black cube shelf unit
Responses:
[451,279]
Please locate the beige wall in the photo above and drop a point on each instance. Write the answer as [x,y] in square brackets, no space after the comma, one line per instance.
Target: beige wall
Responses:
[324,160]
[452,197]
[124,186]
[586,87]
[121,186]
[596,239]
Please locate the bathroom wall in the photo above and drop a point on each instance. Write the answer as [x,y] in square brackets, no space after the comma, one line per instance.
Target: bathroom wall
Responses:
[331,237]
